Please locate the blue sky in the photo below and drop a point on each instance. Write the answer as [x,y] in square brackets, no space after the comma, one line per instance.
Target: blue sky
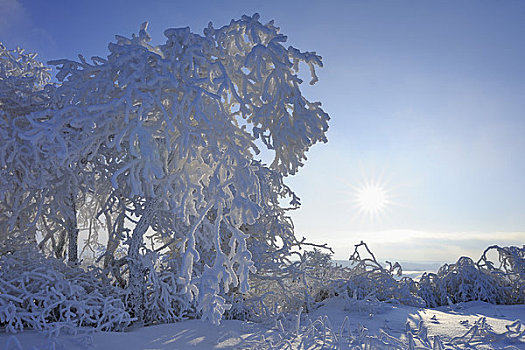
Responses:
[426,97]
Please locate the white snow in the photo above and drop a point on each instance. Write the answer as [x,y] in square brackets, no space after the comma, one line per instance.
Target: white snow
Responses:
[446,322]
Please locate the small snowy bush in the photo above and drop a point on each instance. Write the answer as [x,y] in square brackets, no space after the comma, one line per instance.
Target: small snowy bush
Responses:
[459,282]
[164,299]
[282,287]
[367,280]
[467,281]
[509,271]
[47,295]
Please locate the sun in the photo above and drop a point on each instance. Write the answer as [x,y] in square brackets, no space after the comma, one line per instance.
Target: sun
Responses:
[371,198]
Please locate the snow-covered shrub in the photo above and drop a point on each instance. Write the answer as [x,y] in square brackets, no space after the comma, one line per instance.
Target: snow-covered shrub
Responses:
[45,294]
[164,298]
[366,279]
[509,271]
[459,282]
[294,283]
[467,281]
[312,277]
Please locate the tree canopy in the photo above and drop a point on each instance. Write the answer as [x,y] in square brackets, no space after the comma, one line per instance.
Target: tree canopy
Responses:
[166,138]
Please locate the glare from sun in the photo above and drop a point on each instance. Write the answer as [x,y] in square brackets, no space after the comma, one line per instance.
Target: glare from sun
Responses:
[371,198]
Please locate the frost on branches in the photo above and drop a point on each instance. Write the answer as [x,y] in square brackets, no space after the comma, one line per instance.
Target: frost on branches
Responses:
[24,89]
[166,139]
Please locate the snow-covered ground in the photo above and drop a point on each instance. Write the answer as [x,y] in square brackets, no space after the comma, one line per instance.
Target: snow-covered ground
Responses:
[473,325]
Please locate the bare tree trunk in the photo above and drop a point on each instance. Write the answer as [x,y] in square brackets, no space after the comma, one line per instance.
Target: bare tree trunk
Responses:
[114,236]
[136,269]
[70,217]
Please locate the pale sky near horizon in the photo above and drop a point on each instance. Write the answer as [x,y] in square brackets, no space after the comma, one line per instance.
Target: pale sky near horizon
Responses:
[427,98]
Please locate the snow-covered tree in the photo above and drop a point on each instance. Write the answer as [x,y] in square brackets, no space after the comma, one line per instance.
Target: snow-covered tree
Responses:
[23,89]
[35,191]
[175,130]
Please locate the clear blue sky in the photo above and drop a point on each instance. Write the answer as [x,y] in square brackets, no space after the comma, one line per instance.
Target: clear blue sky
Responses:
[426,96]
